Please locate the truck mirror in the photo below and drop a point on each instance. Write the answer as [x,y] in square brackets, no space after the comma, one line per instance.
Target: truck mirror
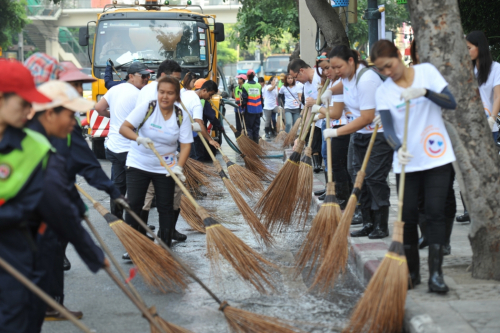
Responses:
[83,36]
[219,32]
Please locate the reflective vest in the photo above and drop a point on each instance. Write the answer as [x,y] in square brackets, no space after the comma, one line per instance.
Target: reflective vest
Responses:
[237,93]
[254,104]
[17,166]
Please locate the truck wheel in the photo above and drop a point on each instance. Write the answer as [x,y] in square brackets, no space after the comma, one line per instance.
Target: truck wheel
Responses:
[98,148]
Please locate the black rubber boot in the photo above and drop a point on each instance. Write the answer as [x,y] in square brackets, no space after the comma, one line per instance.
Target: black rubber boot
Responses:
[465,217]
[166,235]
[145,217]
[422,223]
[317,160]
[436,280]
[322,191]
[342,193]
[177,236]
[268,132]
[322,197]
[413,260]
[381,220]
[449,229]
[273,132]
[66,264]
[357,217]
[367,225]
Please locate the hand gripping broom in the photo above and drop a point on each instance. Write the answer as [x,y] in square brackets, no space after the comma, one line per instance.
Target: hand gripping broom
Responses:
[247,262]
[324,223]
[382,307]
[156,266]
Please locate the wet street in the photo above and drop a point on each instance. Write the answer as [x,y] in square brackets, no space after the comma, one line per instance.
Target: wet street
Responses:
[106,309]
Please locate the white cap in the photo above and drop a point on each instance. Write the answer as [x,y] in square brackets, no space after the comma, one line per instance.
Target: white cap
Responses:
[62,94]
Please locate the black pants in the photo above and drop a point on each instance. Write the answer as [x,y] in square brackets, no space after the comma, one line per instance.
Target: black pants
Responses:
[436,183]
[340,148]
[252,120]
[238,123]
[198,151]
[451,202]
[137,185]
[317,141]
[375,192]
[118,177]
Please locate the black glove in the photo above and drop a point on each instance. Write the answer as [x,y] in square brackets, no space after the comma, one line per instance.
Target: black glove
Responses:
[122,201]
[110,62]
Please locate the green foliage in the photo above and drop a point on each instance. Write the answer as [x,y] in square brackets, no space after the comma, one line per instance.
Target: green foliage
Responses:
[225,54]
[12,20]
[258,19]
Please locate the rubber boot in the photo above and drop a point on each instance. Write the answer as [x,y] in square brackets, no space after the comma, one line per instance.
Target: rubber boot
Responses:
[381,220]
[177,236]
[322,191]
[422,223]
[449,229]
[166,235]
[66,264]
[367,224]
[342,193]
[268,132]
[465,217]
[273,132]
[358,216]
[317,160]
[413,261]
[436,280]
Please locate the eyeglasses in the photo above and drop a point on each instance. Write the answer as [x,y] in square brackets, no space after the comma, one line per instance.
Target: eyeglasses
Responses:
[143,76]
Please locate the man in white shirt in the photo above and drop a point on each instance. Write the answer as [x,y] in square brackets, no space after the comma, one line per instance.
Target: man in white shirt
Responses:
[121,101]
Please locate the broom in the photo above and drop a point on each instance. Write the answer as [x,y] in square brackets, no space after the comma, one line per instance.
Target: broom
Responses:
[247,146]
[40,293]
[280,127]
[247,262]
[188,213]
[337,254]
[195,178]
[246,181]
[266,145]
[159,325]
[156,266]
[292,135]
[382,307]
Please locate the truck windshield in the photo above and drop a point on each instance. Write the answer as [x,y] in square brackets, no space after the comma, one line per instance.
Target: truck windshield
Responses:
[246,65]
[276,64]
[151,41]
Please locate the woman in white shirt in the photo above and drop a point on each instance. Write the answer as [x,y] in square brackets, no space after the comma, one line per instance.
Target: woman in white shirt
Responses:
[164,127]
[292,92]
[429,151]
[270,96]
[359,84]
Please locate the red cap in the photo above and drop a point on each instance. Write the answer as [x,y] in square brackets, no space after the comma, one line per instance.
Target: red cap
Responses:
[241,76]
[17,79]
[72,73]
[250,71]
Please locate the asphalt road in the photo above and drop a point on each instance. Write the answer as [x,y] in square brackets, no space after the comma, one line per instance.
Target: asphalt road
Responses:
[106,309]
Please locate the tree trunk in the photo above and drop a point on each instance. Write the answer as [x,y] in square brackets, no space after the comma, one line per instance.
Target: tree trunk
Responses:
[296,52]
[328,21]
[440,41]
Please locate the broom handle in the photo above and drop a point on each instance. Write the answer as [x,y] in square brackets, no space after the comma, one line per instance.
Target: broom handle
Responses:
[302,121]
[318,102]
[40,293]
[329,147]
[242,120]
[311,135]
[134,300]
[402,176]
[369,150]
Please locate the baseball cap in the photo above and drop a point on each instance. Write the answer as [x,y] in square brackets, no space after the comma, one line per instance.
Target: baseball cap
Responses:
[43,67]
[138,67]
[250,71]
[199,83]
[17,79]
[242,76]
[72,73]
[62,94]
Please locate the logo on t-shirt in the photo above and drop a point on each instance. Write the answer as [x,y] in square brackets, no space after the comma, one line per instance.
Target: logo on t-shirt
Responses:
[435,145]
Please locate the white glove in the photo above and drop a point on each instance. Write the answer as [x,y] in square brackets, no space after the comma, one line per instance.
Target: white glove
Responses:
[412,93]
[143,141]
[377,121]
[316,117]
[178,170]
[404,157]
[315,108]
[326,97]
[330,133]
[491,122]
[196,127]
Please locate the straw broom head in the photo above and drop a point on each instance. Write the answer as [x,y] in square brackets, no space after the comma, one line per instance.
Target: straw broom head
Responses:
[188,213]
[277,204]
[266,145]
[250,265]
[337,255]
[195,178]
[165,325]
[306,185]
[249,147]
[322,230]
[382,307]
[206,169]
[246,181]
[241,321]
[292,135]
[280,138]
[257,167]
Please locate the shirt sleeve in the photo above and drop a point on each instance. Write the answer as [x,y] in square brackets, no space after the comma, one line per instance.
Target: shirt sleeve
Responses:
[185,131]
[496,74]
[138,114]
[367,87]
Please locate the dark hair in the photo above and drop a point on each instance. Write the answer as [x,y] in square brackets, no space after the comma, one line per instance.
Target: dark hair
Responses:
[210,86]
[296,64]
[319,60]
[413,52]
[168,67]
[384,49]
[270,81]
[478,38]
[172,80]
[261,79]
[250,76]
[57,110]
[344,53]
[286,81]
[188,78]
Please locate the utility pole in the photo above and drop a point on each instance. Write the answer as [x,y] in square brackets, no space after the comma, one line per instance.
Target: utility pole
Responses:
[372,15]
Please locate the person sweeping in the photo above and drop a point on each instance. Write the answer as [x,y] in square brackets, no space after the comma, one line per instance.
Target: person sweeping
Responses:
[253,101]
[429,155]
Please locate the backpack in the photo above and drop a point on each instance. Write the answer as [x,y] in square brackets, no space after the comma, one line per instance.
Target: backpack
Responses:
[364,70]
[151,109]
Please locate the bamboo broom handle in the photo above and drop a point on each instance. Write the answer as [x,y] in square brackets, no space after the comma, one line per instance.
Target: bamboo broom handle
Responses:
[329,147]
[40,293]
[242,119]
[402,176]
[303,120]
[318,102]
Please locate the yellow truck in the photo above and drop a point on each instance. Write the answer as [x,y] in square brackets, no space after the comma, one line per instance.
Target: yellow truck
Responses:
[275,64]
[149,33]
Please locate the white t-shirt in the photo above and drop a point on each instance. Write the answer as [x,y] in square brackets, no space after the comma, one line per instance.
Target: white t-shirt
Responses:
[121,99]
[311,90]
[192,103]
[292,100]
[486,90]
[339,99]
[361,96]
[164,134]
[428,140]
[148,93]
[270,97]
